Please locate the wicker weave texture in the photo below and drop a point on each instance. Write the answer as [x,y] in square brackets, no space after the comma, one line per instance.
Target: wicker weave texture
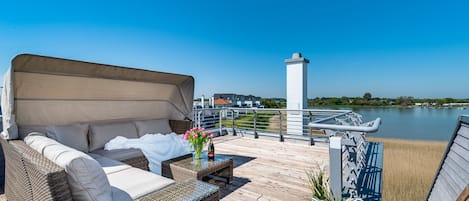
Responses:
[40,179]
[178,172]
[48,180]
[188,190]
[180,126]
[138,162]
[166,167]
[17,186]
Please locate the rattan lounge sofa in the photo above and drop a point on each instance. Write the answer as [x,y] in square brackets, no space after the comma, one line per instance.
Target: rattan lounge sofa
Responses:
[31,176]
[65,111]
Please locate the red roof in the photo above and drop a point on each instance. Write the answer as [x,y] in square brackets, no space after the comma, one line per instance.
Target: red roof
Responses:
[221,101]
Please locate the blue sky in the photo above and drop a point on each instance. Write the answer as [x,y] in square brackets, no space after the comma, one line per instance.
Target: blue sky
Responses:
[389,48]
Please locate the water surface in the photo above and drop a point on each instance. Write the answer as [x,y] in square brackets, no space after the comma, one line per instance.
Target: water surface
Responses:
[414,123]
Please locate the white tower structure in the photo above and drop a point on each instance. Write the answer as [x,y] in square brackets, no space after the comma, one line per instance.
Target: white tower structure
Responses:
[202,101]
[297,98]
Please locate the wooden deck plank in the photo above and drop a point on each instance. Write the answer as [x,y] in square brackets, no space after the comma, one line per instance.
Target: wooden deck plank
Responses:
[275,171]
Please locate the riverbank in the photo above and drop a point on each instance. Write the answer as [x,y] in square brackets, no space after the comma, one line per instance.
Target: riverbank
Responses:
[356,106]
[409,167]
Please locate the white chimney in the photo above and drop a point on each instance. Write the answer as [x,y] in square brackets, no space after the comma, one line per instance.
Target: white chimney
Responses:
[297,97]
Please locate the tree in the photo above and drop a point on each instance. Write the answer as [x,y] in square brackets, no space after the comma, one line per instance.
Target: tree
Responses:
[345,100]
[367,96]
[269,103]
[405,100]
[440,101]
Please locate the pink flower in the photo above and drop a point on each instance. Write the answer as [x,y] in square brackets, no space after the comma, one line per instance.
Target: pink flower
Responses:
[195,135]
[185,137]
[211,135]
[204,134]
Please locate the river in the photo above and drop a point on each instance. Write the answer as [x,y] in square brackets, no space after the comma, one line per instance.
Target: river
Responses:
[414,123]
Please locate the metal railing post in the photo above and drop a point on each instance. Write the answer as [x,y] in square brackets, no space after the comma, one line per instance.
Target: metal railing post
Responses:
[202,118]
[198,118]
[335,166]
[310,118]
[220,124]
[255,125]
[280,133]
[196,115]
[233,122]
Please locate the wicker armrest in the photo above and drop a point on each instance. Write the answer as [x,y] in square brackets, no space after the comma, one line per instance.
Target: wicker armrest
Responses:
[48,180]
[180,126]
[17,186]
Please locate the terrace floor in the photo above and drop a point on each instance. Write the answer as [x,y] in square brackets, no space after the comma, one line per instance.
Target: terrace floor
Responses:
[269,170]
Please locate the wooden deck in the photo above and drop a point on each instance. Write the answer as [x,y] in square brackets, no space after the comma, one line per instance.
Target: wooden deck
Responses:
[269,170]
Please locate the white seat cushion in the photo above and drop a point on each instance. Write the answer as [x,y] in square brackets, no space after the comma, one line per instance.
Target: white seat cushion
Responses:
[137,183]
[153,126]
[85,176]
[109,166]
[129,182]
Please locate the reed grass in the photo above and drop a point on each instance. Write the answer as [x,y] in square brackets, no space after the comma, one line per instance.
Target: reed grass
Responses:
[409,167]
[319,184]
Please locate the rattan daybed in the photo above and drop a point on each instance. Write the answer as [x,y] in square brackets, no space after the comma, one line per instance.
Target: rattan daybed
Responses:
[77,107]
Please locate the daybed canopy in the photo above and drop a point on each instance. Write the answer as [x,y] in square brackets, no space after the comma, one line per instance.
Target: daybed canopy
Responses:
[41,90]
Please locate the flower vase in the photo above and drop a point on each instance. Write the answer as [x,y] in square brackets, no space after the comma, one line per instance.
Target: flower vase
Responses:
[197,155]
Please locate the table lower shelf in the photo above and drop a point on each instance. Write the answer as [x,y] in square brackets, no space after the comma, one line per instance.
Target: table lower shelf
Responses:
[188,190]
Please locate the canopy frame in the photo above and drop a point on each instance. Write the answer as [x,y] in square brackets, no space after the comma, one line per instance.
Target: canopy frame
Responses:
[41,91]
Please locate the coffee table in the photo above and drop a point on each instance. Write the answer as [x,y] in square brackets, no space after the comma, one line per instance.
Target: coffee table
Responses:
[184,167]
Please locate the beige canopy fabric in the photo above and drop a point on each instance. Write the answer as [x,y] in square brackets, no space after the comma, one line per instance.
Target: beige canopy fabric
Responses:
[41,90]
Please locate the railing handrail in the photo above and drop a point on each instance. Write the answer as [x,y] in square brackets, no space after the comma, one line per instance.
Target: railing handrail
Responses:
[276,109]
[332,117]
[368,129]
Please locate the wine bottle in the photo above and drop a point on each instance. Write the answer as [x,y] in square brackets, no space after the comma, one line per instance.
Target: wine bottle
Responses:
[211,151]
